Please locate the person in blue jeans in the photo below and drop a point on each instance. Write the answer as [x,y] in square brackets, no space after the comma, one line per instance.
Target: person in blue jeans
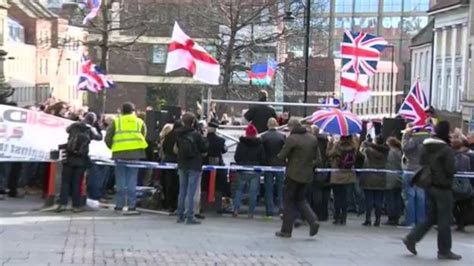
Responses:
[415,199]
[190,148]
[249,152]
[126,138]
[96,177]
[273,142]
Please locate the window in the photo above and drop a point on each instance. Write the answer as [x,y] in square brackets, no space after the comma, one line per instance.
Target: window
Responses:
[392,5]
[344,6]
[413,25]
[41,66]
[391,22]
[365,24]
[364,6]
[46,66]
[16,32]
[343,23]
[159,54]
[416,5]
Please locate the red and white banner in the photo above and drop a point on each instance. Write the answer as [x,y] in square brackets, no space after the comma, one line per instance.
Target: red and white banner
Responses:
[183,52]
[27,135]
[355,87]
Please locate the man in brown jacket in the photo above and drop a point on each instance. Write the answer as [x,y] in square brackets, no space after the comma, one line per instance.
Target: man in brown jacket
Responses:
[301,152]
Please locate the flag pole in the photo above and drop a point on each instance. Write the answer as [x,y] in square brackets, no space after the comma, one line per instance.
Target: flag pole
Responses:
[209,104]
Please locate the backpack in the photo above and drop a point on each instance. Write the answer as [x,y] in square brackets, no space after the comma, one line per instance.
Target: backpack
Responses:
[78,143]
[187,147]
[348,160]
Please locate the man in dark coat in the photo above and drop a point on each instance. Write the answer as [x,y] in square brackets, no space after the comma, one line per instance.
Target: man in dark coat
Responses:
[439,157]
[258,115]
[301,152]
[214,157]
[273,142]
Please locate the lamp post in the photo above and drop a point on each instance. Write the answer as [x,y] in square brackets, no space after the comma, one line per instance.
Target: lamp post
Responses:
[289,18]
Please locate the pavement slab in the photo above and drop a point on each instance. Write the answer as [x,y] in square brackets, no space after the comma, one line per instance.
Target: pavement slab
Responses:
[103,238]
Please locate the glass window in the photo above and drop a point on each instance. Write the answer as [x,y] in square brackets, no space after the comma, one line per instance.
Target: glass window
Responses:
[344,6]
[392,5]
[365,24]
[46,66]
[413,25]
[159,54]
[416,5]
[391,22]
[366,6]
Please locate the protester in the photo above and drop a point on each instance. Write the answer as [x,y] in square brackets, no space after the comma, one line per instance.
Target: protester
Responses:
[258,115]
[250,152]
[190,147]
[302,155]
[201,129]
[126,138]
[415,202]
[216,149]
[169,177]
[439,157]
[4,172]
[321,187]
[462,188]
[342,156]
[394,181]
[96,176]
[77,160]
[374,183]
[273,142]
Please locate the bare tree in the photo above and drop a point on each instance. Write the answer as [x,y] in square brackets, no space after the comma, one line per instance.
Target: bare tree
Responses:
[128,19]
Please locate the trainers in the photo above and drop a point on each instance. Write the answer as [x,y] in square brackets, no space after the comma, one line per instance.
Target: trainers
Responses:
[282,234]
[192,222]
[180,220]
[449,256]
[77,209]
[2,196]
[200,216]
[60,208]
[118,210]
[268,217]
[131,211]
[411,246]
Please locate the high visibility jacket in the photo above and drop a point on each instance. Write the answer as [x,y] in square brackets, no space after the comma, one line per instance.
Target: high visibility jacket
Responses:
[128,134]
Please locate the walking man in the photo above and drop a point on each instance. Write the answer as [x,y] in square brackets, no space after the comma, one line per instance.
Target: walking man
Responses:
[301,152]
[126,138]
[439,157]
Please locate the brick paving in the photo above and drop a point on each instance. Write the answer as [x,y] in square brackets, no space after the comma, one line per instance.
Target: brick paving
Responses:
[103,238]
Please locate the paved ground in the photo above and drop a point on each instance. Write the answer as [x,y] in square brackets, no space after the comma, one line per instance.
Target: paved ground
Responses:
[102,238]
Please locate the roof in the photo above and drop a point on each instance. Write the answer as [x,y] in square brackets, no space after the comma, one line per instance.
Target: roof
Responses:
[445,4]
[424,36]
[33,9]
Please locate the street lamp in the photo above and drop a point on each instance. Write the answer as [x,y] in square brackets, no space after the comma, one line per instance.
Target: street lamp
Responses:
[289,18]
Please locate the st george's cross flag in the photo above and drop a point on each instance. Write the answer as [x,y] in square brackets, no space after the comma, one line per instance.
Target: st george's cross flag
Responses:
[355,87]
[415,106]
[92,78]
[360,52]
[183,52]
[94,7]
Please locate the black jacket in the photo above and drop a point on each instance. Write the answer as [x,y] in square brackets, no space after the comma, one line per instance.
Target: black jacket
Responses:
[273,142]
[439,156]
[216,149]
[250,151]
[194,163]
[77,127]
[168,148]
[259,115]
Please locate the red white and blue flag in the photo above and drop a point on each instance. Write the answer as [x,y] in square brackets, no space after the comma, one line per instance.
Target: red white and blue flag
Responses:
[92,77]
[262,74]
[336,121]
[94,7]
[415,106]
[360,52]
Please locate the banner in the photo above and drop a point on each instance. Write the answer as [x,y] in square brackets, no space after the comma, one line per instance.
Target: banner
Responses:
[31,135]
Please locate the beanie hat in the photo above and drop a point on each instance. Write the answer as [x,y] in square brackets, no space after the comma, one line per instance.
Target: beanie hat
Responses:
[442,130]
[251,131]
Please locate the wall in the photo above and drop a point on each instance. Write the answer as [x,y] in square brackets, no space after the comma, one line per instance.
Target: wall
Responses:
[421,62]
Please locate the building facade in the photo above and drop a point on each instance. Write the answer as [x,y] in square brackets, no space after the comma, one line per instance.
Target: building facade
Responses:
[451,57]
[421,50]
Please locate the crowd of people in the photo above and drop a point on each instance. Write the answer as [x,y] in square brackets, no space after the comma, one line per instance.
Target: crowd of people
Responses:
[299,194]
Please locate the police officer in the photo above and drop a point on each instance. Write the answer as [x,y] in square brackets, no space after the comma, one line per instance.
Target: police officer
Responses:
[126,138]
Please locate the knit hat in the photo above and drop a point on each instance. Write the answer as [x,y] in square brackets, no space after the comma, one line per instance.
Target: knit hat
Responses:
[251,131]
[442,130]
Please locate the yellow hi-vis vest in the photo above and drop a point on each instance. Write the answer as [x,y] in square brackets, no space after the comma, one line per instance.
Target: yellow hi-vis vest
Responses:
[128,134]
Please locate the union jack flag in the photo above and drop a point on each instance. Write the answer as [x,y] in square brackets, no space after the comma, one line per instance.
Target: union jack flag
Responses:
[92,78]
[415,106]
[360,52]
[94,6]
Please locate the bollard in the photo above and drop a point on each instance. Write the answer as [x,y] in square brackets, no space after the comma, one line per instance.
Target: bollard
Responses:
[51,185]
[212,186]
